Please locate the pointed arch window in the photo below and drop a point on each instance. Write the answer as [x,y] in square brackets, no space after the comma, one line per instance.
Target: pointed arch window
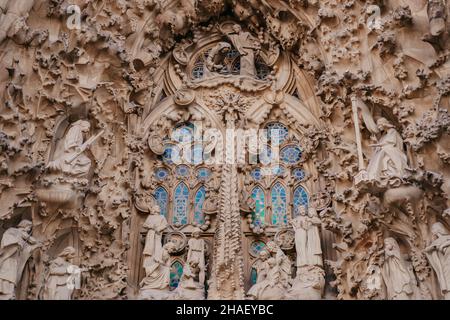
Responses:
[279,204]
[199,217]
[300,199]
[176,271]
[259,212]
[181,205]
[162,198]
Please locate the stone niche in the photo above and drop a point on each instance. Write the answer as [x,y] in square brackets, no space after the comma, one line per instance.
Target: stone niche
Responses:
[261,150]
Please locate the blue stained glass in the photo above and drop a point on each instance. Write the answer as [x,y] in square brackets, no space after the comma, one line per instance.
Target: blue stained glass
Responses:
[256,174]
[265,156]
[291,154]
[277,133]
[176,271]
[197,154]
[253,276]
[300,200]
[171,154]
[162,198]
[198,71]
[198,208]
[161,174]
[278,171]
[259,213]
[180,206]
[182,171]
[298,174]
[184,133]
[279,206]
[203,174]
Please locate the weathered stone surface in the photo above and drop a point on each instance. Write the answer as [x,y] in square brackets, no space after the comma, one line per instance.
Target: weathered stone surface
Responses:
[96,98]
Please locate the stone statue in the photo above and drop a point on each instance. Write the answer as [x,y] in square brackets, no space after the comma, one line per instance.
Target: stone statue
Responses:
[247,45]
[262,270]
[308,284]
[438,253]
[63,277]
[395,273]
[15,249]
[274,274]
[153,228]
[307,238]
[12,11]
[389,158]
[190,287]
[216,56]
[73,162]
[155,284]
[196,253]
[437,16]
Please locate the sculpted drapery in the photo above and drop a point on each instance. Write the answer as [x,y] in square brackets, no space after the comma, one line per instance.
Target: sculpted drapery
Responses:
[438,253]
[307,238]
[389,158]
[395,273]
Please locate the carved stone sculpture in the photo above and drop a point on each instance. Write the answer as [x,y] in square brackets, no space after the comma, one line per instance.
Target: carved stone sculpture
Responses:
[196,254]
[307,238]
[214,62]
[190,287]
[93,98]
[395,273]
[308,284]
[437,16]
[73,162]
[247,46]
[62,277]
[389,159]
[155,284]
[12,12]
[438,253]
[275,275]
[16,247]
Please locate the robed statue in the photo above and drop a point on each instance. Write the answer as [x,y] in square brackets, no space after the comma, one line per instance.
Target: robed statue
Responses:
[307,237]
[438,253]
[16,248]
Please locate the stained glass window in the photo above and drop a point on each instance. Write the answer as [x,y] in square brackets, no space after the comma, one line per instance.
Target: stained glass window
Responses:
[259,213]
[277,132]
[162,198]
[256,174]
[265,156]
[182,171]
[161,174]
[253,275]
[291,154]
[184,133]
[197,154]
[278,170]
[203,174]
[298,174]
[181,203]
[256,247]
[279,206]
[199,199]
[300,199]
[176,271]
[171,154]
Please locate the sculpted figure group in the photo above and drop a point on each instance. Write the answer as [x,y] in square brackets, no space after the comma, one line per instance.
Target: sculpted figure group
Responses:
[157,261]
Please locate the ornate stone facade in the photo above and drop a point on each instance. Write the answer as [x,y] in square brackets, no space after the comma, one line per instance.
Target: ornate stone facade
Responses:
[123,176]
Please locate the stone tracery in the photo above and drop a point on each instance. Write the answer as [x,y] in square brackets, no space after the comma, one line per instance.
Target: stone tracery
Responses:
[145,81]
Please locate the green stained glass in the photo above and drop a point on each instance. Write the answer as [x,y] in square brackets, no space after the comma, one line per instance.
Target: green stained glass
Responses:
[176,271]
[259,213]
